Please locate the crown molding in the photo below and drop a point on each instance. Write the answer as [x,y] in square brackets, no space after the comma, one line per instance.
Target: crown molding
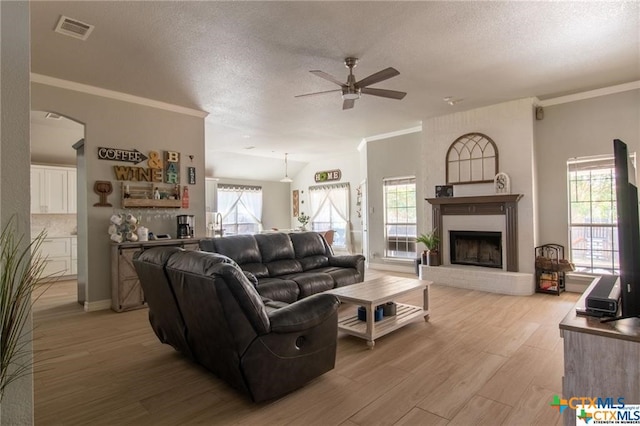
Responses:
[364,141]
[112,94]
[590,94]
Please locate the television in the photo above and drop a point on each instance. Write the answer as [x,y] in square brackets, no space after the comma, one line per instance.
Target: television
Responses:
[628,231]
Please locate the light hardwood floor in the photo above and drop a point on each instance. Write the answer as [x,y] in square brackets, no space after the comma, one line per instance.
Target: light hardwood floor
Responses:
[482,359]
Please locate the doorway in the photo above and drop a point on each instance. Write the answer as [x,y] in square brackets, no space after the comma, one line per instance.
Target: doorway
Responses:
[56,198]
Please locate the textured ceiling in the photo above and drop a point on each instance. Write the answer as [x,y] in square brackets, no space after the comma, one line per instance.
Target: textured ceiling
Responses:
[243,62]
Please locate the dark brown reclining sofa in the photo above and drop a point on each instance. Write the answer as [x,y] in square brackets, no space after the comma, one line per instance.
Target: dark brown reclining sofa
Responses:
[206,307]
[289,267]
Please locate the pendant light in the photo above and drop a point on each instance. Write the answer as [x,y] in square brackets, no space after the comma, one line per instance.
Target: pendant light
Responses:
[286,177]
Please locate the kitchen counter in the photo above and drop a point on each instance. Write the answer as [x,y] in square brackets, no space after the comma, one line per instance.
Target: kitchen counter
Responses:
[179,242]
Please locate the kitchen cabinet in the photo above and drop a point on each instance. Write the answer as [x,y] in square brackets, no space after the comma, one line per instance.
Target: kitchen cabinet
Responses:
[126,291]
[74,255]
[58,255]
[53,190]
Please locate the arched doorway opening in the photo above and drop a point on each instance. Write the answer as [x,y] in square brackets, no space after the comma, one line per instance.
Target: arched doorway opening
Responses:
[57,201]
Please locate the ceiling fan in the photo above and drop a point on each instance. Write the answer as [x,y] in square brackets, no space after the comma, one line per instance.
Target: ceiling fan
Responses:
[352,89]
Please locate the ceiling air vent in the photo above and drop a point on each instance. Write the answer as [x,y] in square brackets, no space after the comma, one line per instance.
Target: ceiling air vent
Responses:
[74,28]
[52,116]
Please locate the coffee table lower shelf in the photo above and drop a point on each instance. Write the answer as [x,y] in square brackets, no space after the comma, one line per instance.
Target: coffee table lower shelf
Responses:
[404,313]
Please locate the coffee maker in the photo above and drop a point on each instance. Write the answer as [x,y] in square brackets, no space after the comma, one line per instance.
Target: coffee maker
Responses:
[186,225]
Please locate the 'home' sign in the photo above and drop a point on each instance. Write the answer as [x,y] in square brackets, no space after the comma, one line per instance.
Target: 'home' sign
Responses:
[329,175]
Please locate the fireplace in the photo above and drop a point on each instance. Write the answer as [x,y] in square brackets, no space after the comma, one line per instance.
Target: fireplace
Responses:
[476,207]
[476,248]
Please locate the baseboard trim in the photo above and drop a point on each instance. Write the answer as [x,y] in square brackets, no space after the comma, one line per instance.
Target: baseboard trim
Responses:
[392,267]
[99,305]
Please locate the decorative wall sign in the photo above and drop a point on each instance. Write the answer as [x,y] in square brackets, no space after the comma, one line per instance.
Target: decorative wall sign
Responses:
[191,172]
[328,176]
[103,188]
[444,191]
[296,202]
[114,154]
[502,183]
[172,167]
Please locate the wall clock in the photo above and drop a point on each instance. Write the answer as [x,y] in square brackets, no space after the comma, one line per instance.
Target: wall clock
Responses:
[502,183]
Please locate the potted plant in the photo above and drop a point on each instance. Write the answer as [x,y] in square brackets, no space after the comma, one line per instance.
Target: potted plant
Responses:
[303,219]
[21,267]
[430,254]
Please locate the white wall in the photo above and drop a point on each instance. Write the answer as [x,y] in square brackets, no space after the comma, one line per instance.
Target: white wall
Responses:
[510,126]
[275,201]
[17,406]
[118,124]
[578,129]
[396,156]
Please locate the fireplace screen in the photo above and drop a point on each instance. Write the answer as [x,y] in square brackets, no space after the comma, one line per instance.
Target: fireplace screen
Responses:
[476,248]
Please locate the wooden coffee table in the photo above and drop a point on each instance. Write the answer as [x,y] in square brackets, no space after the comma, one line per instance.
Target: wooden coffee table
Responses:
[376,292]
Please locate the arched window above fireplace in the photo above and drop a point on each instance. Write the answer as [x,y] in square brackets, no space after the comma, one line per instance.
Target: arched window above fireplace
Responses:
[472,158]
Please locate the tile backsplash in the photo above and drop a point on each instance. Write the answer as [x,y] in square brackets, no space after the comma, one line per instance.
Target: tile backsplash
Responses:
[55,225]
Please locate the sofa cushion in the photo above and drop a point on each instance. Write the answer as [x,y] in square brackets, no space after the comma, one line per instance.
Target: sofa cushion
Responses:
[311,282]
[276,246]
[257,269]
[313,262]
[308,244]
[205,264]
[241,248]
[278,290]
[342,276]
[283,267]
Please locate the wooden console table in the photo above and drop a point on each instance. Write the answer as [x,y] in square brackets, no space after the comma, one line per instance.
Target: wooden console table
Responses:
[126,291]
[600,360]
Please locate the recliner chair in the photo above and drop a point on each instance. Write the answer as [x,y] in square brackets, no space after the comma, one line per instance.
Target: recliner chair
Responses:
[261,347]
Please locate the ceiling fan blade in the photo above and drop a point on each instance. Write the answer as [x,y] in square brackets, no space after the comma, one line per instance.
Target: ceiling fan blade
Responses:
[378,77]
[348,103]
[393,94]
[317,93]
[326,76]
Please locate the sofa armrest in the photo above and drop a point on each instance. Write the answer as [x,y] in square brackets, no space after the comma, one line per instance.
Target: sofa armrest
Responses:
[347,260]
[304,314]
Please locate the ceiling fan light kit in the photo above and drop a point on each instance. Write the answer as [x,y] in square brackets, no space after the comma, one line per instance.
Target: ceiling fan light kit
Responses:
[352,89]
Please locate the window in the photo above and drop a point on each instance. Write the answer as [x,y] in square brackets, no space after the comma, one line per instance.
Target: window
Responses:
[241,208]
[593,230]
[400,224]
[330,210]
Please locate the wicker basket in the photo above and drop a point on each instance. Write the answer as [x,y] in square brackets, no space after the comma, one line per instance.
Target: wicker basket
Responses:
[561,265]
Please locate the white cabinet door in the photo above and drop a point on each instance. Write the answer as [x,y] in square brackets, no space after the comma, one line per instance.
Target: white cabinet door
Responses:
[72,190]
[37,191]
[56,253]
[74,256]
[55,190]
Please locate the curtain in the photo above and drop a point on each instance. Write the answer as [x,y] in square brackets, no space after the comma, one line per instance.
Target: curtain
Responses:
[230,197]
[336,196]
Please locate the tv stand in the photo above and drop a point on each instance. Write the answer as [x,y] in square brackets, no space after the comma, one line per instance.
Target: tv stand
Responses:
[618,318]
[600,359]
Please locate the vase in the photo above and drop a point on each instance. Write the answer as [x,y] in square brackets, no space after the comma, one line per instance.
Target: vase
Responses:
[433,258]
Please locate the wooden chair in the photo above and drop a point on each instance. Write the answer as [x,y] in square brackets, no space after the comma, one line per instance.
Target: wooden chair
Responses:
[328,236]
